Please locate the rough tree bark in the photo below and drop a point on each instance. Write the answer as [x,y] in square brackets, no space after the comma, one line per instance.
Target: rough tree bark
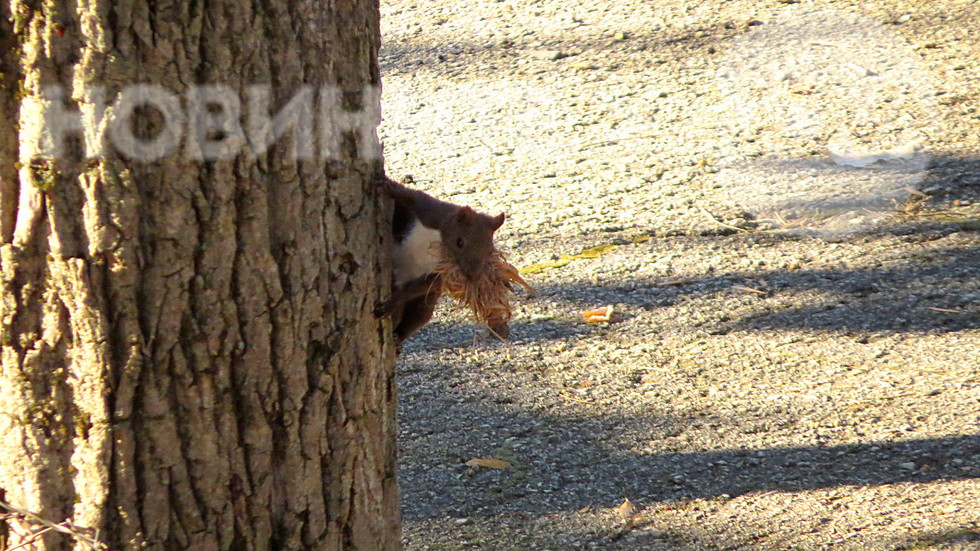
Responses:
[189,355]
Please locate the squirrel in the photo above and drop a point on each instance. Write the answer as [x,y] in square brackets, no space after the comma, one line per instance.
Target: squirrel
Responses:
[422,225]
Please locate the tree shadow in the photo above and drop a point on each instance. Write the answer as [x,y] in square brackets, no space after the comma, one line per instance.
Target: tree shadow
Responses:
[952,178]
[416,54]
[963,538]
[564,462]
[937,290]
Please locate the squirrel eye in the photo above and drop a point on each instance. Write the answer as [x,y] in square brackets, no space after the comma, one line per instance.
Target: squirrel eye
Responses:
[460,243]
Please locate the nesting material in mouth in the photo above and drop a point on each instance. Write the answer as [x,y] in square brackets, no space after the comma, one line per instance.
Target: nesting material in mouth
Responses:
[487,294]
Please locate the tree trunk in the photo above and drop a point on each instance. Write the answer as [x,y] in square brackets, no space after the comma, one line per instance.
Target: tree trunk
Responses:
[189,355]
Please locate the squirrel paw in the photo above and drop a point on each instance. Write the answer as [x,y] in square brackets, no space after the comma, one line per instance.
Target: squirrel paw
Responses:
[384,182]
[383,308]
[395,190]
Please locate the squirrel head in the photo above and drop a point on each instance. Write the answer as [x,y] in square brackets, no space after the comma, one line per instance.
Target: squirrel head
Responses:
[468,239]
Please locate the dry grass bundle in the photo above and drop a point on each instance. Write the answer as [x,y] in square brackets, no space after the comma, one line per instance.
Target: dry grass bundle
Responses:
[488,294]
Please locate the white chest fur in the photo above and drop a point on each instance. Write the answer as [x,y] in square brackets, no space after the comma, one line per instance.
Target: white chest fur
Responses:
[417,254]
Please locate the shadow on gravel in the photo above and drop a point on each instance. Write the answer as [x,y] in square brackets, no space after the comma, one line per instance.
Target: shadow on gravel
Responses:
[934,290]
[566,463]
[967,538]
[937,291]
[401,54]
[677,41]
[951,177]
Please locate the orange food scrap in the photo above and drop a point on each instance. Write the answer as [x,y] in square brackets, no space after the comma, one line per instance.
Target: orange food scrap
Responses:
[598,315]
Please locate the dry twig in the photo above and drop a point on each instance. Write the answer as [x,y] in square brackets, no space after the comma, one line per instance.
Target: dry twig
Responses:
[720,223]
[40,526]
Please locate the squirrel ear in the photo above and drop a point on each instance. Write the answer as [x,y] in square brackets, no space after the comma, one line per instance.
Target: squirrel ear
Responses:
[465,214]
[499,220]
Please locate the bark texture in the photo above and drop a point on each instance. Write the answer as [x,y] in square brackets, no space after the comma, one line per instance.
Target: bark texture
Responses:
[189,355]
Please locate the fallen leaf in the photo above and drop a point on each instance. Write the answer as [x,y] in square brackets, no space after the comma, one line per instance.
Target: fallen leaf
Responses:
[566,259]
[627,509]
[478,462]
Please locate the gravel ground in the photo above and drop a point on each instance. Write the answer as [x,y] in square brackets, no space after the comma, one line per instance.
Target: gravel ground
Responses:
[781,201]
